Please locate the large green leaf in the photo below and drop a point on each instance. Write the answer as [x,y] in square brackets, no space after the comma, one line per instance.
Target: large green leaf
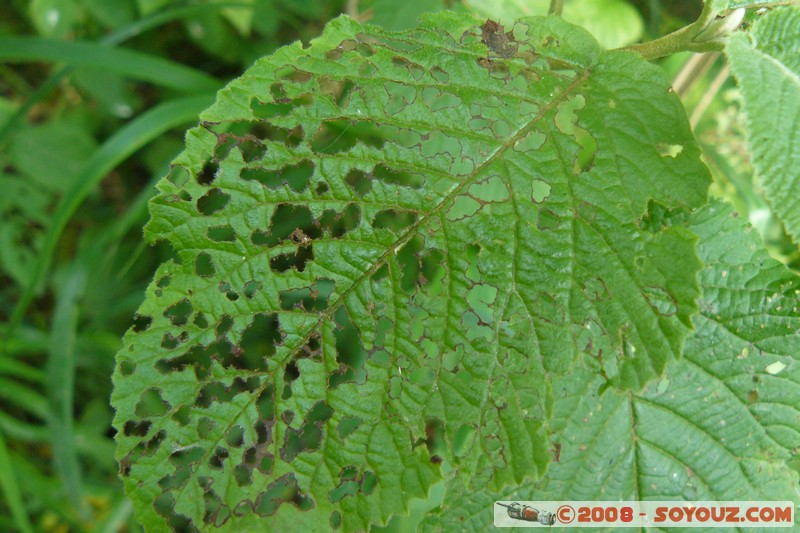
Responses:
[383,242]
[766,62]
[722,424]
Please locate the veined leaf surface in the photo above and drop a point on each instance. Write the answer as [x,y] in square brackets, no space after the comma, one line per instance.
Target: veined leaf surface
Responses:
[384,242]
[723,423]
[766,62]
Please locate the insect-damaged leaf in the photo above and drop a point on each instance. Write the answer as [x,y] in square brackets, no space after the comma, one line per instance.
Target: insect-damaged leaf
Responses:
[723,423]
[384,241]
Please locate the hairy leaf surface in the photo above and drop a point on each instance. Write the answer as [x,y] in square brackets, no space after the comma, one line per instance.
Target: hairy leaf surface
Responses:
[384,241]
[723,423]
[766,62]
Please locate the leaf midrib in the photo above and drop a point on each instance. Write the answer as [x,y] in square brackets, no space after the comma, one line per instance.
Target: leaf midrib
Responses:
[405,237]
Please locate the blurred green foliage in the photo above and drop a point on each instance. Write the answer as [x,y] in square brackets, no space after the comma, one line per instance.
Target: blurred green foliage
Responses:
[84,134]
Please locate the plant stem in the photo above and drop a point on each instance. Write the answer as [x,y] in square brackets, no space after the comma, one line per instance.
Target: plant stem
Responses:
[556,7]
[690,38]
[694,69]
[677,41]
[709,95]
[351,9]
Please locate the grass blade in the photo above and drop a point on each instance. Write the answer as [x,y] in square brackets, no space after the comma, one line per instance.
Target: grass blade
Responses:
[112,39]
[8,481]
[129,63]
[24,398]
[61,385]
[120,146]
[117,516]
[14,368]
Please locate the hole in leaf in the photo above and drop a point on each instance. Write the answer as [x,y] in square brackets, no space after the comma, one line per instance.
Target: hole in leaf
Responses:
[243,475]
[136,429]
[208,173]
[567,122]
[350,353]
[221,233]
[348,425]
[151,404]
[204,265]
[218,458]
[178,175]
[224,325]
[259,340]
[337,224]
[432,271]
[218,392]
[291,221]
[127,367]
[313,298]
[178,313]
[165,506]
[397,177]
[669,150]
[359,181]
[296,176]
[368,482]
[141,322]
[283,262]
[187,456]
[212,201]
[394,219]
[319,413]
[216,513]
[345,489]
[280,491]
[540,191]
[408,259]
[321,188]
[251,288]
[200,320]
[183,415]
[235,436]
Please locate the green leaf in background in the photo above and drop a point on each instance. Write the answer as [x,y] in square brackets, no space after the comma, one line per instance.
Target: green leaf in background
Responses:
[383,242]
[24,209]
[394,15]
[35,149]
[614,23]
[55,18]
[112,14]
[126,62]
[766,63]
[265,17]
[240,18]
[721,424]
[147,7]
[33,185]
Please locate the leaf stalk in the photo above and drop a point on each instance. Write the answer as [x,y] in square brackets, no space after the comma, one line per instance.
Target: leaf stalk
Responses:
[556,7]
[708,33]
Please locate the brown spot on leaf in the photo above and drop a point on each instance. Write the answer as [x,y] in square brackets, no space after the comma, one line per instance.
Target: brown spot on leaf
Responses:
[498,41]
